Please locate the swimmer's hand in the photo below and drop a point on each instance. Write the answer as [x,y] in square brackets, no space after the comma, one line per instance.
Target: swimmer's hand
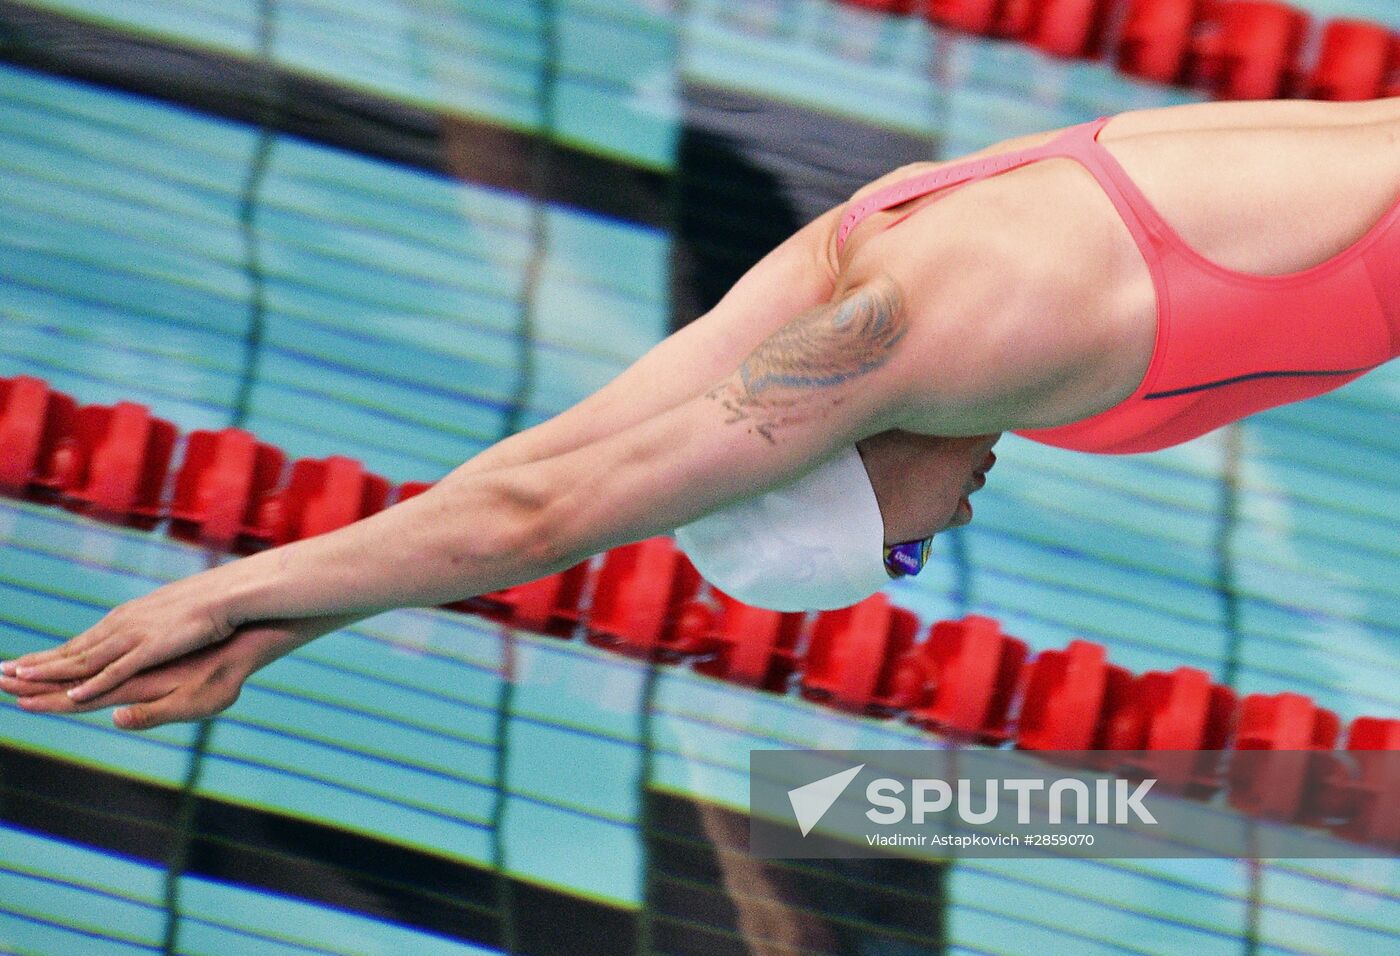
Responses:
[171,621]
[199,684]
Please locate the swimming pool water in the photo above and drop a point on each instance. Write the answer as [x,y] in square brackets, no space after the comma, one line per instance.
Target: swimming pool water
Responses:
[409,320]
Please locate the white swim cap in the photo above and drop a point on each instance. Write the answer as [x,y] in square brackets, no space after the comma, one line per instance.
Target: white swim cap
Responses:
[813,544]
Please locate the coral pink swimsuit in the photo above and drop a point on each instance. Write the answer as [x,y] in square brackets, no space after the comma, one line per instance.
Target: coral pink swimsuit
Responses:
[1228,344]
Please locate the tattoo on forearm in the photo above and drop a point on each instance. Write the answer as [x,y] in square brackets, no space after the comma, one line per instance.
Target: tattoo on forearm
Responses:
[796,373]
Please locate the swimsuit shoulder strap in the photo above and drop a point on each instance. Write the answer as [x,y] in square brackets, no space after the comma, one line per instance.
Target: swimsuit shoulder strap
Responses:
[1146,225]
[954,174]
[1076,142]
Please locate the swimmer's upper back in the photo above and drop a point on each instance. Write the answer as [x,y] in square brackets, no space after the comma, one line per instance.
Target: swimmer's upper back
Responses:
[1291,186]
[1249,199]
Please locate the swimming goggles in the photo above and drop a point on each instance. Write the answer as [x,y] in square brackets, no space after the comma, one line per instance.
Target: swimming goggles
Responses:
[907,558]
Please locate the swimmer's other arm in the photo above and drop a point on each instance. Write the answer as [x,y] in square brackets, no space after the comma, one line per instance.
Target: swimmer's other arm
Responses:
[829,377]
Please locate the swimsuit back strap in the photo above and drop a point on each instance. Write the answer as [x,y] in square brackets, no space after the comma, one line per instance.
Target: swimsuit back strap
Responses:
[958,173]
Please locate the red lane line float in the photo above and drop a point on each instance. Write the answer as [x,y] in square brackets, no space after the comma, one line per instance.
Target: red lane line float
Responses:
[1276,789]
[123,456]
[1172,710]
[1248,49]
[1070,28]
[1360,798]
[1068,695]
[1184,719]
[1285,721]
[321,495]
[1156,39]
[550,605]
[38,439]
[411,489]
[637,604]
[1374,733]
[982,17]
[744,645]
[852,662]
[220,483]
[1245,49]
[1356,61]
[962,679]
[1373,798]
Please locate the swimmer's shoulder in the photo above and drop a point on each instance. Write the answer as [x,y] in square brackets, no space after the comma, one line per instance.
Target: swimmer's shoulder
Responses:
[999,306]
[837,256]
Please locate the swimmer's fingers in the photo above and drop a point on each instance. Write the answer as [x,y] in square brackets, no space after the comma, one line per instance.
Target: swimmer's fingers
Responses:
[62,652]
[40,696]
[165,624]
[79,662]
[95,669]
[131,659]
[196,686]
[51,697]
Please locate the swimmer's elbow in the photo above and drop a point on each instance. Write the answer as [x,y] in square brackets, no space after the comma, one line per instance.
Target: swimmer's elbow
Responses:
[523,522]
[505,514]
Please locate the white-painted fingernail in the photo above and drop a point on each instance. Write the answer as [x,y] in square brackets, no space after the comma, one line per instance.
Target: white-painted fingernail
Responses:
[75,693]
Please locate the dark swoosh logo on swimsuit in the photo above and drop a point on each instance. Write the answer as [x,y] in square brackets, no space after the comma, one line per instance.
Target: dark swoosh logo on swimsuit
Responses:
[1256,375]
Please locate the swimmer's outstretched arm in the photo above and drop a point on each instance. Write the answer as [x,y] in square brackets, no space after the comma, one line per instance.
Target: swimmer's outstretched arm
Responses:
[794,277]
[833,375]
[192,686]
